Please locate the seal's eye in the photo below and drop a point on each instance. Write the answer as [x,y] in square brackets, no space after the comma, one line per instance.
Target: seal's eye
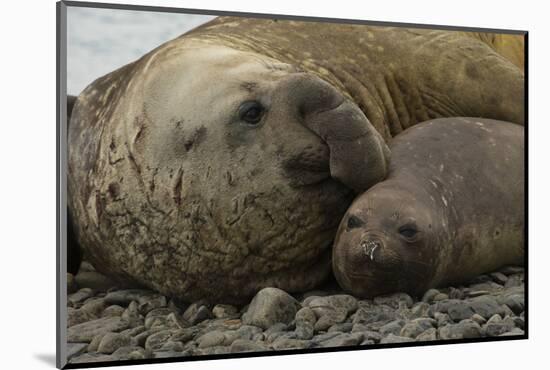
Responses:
[354,221]
[408,231]
[251,112]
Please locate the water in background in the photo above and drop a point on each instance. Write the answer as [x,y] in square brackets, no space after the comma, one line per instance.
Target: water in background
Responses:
[102,40]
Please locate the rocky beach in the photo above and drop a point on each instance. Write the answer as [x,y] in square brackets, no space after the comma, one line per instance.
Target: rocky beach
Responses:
[110,323]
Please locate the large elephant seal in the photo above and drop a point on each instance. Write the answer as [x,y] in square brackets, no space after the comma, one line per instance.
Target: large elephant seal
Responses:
[223,161]
[451,208]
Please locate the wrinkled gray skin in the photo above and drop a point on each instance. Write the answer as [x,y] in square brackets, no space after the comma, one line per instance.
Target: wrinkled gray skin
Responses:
[451,208]
[171,188]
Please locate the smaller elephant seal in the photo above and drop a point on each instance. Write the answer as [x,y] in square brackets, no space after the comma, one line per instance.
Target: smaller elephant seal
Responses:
[451,208]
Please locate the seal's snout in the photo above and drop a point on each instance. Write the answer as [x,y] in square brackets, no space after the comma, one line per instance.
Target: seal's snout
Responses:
[370,247]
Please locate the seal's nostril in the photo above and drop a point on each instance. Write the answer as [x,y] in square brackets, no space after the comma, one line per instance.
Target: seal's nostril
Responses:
[369,247]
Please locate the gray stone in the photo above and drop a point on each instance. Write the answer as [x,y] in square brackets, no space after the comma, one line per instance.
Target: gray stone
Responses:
[172,346]
[345,339]
[94,344]
[184,335]
[216,350]
[485,306]
[476,293]
[344,327]
[490,286]
[305,321]
[74,349]
[330,319]
[94,280]
[513,332]
[86,331]
[196,312]
[151,302]
[113,341]
[396,301]
[131,315]
[442,319]
[419,309]
[479,319]
[516,302]
[427,335]
[440,297]
[270,306]
[94,307]
[92,357]
[125,296]
[225,311]
[417,326]
[245,345]
[324,337]
[113,310]
[132,353]
[139,339]
[428,297]
[288,343]
[156,340]
[499,278]
[464,329]
[495,328]
[326,305]
[393,327]
[369,316]
[211,339]
[460,311]
[391,338]
[80,296]
[248,331]
[456,293]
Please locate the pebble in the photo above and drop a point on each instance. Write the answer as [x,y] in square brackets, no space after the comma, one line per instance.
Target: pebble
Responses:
[132,353]
[113,341]
[485,306]
[113,310]
[86,331]
[463,330]
[427,335]
[343,339]
[270,306]
[344,327]
[124,297]
[393,327]
[460,311]
[196,313]
[94,280]
[395,301]
[417,326]
[305,321]
[156,340]
[74,349]
[80,296]
[225,311]
[138,324]
[211,339]
[428,297]
[245,345]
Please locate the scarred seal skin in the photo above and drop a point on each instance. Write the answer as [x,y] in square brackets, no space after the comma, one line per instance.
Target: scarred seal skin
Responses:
[451,208]
[223,161]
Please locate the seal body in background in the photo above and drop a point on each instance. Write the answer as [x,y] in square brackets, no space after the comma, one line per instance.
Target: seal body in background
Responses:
[223,161]
[451,208]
